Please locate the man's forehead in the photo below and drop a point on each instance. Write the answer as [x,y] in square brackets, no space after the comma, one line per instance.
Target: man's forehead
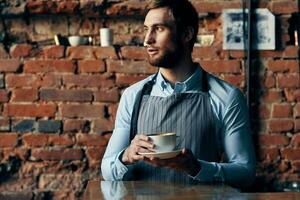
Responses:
[159,16]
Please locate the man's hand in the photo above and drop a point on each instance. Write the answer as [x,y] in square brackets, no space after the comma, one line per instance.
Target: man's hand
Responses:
[140,143]
[185,161]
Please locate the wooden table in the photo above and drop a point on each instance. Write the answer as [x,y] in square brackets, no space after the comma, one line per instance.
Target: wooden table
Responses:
[154,190]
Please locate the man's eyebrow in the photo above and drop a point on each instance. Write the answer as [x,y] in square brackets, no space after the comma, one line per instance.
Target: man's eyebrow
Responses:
[159,24]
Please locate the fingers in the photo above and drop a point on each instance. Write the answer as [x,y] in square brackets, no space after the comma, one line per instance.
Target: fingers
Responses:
[143,141]
[140,144]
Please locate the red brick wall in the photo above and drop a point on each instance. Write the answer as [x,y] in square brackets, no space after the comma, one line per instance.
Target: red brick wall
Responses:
[58,104]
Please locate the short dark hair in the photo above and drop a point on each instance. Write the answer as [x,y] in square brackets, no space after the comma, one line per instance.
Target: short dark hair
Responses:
[184,13]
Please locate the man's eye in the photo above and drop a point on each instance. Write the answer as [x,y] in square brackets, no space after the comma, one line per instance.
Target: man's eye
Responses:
[159,28]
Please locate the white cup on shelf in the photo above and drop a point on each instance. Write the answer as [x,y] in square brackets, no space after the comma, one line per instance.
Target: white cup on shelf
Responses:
[106,37]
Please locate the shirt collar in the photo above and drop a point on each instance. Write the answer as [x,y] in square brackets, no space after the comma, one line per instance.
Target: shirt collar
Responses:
[192,83]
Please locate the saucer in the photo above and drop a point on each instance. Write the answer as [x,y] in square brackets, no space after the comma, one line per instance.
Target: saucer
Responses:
[162,155]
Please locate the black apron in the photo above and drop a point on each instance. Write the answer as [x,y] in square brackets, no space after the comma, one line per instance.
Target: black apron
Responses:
[189,115]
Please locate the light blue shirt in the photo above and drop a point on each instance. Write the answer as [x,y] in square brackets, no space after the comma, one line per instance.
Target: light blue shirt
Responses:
[232,125]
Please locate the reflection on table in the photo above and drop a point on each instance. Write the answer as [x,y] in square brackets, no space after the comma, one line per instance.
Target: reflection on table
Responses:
[143,190]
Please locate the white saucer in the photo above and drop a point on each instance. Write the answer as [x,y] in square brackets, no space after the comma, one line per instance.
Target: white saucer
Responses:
[162,155]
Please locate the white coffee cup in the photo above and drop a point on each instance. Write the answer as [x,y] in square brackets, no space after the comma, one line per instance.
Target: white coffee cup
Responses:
[106,37]
[164,142]
[77,40]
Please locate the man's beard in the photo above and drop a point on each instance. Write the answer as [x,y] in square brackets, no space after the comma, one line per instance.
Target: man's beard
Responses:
[169,58]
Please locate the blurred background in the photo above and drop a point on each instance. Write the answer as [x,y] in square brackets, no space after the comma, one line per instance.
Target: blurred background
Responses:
[58,99]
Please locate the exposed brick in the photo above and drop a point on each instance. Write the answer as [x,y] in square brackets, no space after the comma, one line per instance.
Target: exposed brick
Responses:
[3,53]
[296,140]
[102,126]
[283,166]
[283,66]
[123,80]
[270,96]
[8,140]
[88,81]
[30,110]
[297,125]
[288,80]
[20,152]
[4,96]
[295,166]
[292,94]
[283,7]
[221,66]
[297,110]
[269,81]
[215,7]
[95,154]
[65,95]
[1,81]
[35,140]
[56,154]
[204,52]
[20,50]
[35,66]
[291,52]
[11,65]
[60,140]
[282,110]
[21,184]
[112,109]
[53,182]
[236,80]
[133,52]
[268,53]
[132,67]
[237,54]
[107,95]
[291,154]
[53,52]
[52,7]
[42,140]
[128,8]
[4,124]
[273,140]
[91,53]
[270,154]
[263,111]
[90,66]
[281,125]
[34,81]
[105,52]
[80,52]
[91,140]
[75,125]
[20,195]
[49,126]
[85,111]
[24,95]
[25,125]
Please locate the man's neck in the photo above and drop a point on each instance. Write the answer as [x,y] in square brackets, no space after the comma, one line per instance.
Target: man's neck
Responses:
[179,73]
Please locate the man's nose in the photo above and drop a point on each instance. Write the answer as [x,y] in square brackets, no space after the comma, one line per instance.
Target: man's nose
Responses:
[149,38]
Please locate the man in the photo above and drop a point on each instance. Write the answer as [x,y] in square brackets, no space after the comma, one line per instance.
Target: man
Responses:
[207,114]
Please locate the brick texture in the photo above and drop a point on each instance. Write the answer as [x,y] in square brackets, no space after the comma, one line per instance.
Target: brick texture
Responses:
[58,103]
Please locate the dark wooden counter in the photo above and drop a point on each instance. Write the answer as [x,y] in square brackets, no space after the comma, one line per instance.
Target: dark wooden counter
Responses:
[97,190]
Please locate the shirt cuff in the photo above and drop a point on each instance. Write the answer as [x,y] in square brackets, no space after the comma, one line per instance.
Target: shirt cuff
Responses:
[209,172]
[121,167]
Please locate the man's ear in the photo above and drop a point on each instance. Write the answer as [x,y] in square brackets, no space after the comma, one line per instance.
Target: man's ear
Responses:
[188,34]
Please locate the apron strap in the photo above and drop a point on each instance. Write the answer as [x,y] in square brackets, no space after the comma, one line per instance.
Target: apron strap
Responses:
[147,90]
[136,107]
